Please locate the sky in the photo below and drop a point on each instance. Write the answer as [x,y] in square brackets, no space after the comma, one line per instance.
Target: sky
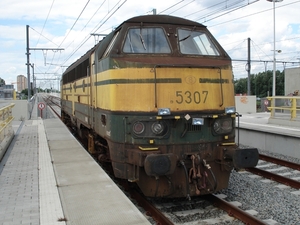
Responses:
[64,27]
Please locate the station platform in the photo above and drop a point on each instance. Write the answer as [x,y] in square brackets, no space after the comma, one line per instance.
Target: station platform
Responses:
[281,124]
[47,178]
[278,135]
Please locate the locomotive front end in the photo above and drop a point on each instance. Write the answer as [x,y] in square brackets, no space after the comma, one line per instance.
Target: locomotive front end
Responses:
[172,126]
[194,168]
[185,144]
[155,98]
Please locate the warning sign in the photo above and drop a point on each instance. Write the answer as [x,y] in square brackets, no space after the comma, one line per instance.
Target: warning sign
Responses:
[41,105]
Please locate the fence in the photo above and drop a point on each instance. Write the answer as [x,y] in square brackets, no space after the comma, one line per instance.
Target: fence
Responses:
[288,104]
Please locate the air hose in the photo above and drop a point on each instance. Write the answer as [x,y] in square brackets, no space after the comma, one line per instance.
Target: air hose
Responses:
[187,181]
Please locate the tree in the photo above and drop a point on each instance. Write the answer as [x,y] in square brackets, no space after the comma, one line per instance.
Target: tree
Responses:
[240,86]
[2,82]
[261,84]
[25,92]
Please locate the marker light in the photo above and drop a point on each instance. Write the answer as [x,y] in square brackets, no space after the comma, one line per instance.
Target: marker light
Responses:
[164,111]
[230,109]
[138,127]
[198,121]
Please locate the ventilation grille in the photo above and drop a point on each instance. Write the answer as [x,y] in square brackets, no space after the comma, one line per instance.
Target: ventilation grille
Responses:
[192,128]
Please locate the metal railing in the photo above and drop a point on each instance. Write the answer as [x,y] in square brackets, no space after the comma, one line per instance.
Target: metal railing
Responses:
[6,116]
[283,103]
[6,130]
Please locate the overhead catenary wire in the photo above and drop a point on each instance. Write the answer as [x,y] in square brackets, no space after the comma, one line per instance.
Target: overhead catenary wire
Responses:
[252,14]
[182,7]
[45,21]
[205,9]
[234,9]
[74,23]
[171,7]
[86,39]
[70,28]
[95,30]
[80,31]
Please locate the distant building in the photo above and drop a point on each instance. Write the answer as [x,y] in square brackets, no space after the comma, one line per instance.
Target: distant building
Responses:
[291,80]
[7,92]
[21,83]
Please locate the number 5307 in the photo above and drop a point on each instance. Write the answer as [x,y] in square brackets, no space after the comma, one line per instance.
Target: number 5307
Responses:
[191,97]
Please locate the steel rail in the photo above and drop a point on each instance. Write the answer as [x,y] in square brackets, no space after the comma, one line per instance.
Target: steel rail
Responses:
[281,162]
[153,212]
[272,176]
[234,211]
[50,100]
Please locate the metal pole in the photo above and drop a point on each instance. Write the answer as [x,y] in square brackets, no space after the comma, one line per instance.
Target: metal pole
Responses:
[33,79]
[274,56]
[28,64]
[249,68]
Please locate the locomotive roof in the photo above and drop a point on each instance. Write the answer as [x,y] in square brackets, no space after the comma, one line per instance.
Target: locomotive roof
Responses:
[162,19]
[153,19]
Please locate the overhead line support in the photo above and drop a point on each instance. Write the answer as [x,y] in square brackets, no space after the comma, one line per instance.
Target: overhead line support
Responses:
[28,58]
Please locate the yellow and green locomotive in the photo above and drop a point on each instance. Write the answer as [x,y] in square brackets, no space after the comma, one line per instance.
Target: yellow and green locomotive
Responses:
[155,98]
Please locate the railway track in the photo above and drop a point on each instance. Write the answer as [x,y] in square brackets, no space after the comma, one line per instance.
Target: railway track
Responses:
[54,103]
[204,209]
[210,209]
[281,178]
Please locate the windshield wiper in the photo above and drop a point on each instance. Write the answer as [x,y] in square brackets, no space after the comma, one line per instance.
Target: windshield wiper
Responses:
[183,39]
[141,37]
[143,42]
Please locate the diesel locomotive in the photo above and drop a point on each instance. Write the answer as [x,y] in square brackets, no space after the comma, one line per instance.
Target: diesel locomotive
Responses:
[155,98]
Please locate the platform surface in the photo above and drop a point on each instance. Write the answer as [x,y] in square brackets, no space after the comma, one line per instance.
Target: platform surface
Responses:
[261,122]
[47,178]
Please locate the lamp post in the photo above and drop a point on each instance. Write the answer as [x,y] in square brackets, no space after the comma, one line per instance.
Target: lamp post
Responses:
[274,57]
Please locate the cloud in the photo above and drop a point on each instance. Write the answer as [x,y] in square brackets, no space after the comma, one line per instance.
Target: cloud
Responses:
[53,24]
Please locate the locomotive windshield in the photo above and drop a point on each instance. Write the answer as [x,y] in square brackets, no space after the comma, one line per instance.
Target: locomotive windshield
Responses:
[146,40]
[196,43]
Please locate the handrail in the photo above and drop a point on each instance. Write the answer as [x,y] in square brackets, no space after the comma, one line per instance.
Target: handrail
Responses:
[290,103]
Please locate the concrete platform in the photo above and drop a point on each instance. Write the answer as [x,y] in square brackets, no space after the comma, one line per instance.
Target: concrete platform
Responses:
[257,131]
[261,122]
[87,194]
[48,178]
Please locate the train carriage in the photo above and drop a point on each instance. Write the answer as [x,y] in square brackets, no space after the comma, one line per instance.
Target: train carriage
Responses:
[156,99]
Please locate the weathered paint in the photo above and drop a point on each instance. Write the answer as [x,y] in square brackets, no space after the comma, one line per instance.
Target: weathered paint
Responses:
[114,89]
[180,89]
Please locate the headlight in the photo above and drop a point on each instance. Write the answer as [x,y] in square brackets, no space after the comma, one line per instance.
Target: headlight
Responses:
[223,126]
[157,128]
[230,109]
[138,127]
[164,111]
[149,129]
